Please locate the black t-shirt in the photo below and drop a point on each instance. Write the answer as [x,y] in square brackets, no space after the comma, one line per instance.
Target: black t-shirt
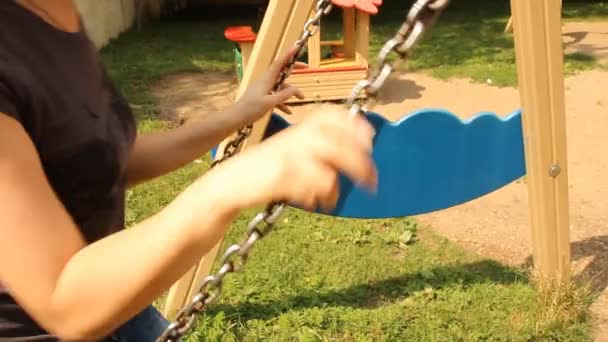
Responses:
[54,83]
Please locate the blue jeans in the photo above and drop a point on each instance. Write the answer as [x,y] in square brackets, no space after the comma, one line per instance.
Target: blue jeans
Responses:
[147,326]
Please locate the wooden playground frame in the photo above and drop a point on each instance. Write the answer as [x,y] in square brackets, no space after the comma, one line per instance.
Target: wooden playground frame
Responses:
[323,79]
[538,45]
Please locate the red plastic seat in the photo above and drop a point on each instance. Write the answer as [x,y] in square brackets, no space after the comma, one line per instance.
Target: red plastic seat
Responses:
[240,34]
[366,6]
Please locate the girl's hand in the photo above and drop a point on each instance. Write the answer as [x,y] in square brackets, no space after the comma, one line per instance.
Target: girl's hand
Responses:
[299,165]
[259,98]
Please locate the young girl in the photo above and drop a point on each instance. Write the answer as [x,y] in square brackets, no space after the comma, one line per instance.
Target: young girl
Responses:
[69,150]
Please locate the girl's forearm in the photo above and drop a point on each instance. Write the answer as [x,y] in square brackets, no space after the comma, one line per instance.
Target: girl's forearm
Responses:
[156,154]
[132,268]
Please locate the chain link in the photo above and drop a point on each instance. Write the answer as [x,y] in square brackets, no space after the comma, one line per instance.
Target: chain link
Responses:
[420,18]
[234,146]
[262,224]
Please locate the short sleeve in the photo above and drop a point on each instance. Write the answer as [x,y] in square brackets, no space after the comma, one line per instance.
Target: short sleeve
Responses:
[14,95]
[8,102]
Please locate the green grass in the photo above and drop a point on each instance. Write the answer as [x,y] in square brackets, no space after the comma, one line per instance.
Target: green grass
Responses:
[468,41]
[317,278]
[320,279]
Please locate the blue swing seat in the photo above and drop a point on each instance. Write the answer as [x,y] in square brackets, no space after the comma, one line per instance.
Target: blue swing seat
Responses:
[432,160]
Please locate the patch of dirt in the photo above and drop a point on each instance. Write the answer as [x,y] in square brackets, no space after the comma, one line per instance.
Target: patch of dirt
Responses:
[589,38]
[495,225]
[184,96]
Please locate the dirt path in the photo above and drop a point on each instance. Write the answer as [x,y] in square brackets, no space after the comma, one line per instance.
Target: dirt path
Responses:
[495,225]
[587,37]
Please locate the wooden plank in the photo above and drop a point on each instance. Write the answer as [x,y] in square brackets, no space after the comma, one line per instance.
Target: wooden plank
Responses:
[329,69]
[295,25]
[509,27]
[336,61]
[264,51]
[314,48]
[176,298]
[537,32]
[348,28]
[362,41]
[291,32]
[332,42]
[246,50]
[335,83]
[271,32]
[202,270]
[324,86]
[342,74]
[313,94]
[321,97]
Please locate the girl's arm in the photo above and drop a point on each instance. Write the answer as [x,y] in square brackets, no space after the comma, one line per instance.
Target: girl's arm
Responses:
[155,154]
[83,292]
[159,153]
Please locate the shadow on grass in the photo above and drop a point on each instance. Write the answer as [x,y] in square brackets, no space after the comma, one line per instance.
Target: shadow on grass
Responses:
[595,272]
[586,51]
[373,293]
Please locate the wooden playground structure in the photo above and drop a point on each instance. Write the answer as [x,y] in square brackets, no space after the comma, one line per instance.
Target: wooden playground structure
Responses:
[538,44]
[329,75]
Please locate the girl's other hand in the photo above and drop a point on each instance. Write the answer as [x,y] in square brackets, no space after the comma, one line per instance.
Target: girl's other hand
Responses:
[259,98]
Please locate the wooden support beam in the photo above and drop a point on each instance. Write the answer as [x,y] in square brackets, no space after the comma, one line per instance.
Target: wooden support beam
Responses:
[246,50]
[282,24]
[314,48]
[292,31]
[176,298]
[509,27]
[350,38]
[362,41]
[538,46]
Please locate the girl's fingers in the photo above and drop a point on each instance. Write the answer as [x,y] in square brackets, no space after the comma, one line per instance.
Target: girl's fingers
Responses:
[321,191]
[284,108]
[300,65]
[278,64]
[286,92]
[283,95]
[330,198]
[347,152]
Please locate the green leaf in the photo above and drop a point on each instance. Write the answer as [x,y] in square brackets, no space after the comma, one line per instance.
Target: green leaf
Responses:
[406,237]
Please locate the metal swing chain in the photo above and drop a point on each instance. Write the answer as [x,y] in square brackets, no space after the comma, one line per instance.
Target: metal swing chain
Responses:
[310,29]
[211,288]
[419,19]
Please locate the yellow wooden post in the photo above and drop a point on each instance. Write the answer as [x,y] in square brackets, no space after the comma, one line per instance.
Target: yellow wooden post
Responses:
[362,43]
[314,48]
[291,31]
[246,50]
[282,25]
[538,46]
[509,27]
[349,32]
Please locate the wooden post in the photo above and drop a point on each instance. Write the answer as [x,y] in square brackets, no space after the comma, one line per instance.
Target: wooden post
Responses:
[282,25]
[349,32]
[314,48]
[246,50]
[509,27]
[538,46]
[362,42]
[291,31]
